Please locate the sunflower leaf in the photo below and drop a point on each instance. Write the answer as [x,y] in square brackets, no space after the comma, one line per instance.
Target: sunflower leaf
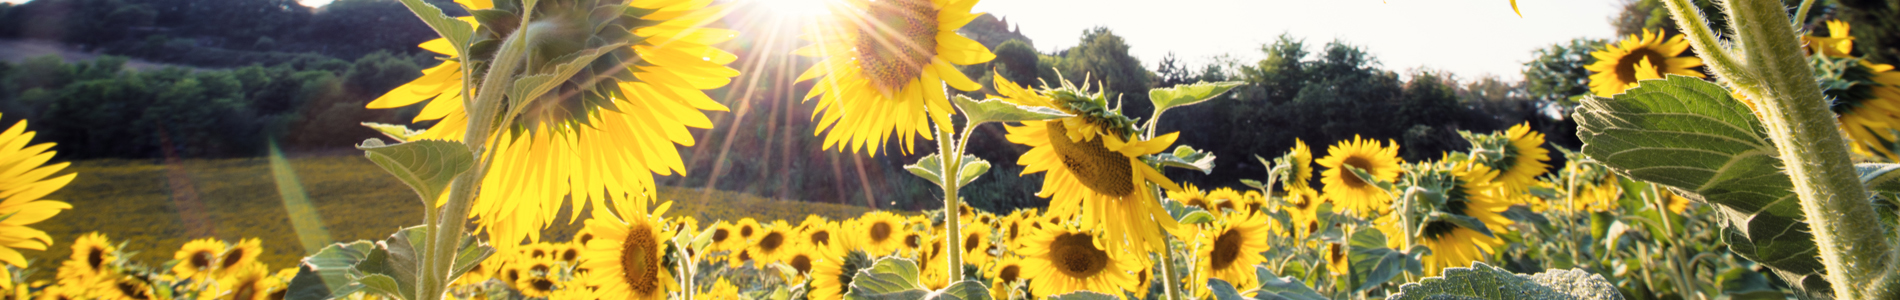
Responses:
[1484,282]
[427,166]
[331,271]
[931,168]
[997,110]
[393,131]
[1371,262]
[1188,158]
[1692,136]
[1880,177]
[1197,217]
[382,284]
[1188,94]
[962,290]
[972,168]
[468,254]
[1223,290]
[1287,288]
[888,278]
[456,31]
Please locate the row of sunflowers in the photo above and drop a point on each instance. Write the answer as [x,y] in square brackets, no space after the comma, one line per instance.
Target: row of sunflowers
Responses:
[567,117]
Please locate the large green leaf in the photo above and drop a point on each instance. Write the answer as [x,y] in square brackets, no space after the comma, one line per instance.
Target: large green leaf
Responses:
[1484,282]
[1690,135]
[996,110]
[1188,94]
[1287,288]
[962,290]
[888,278]
[455,31]
[1188,158]
[1371,262]
[329,272]
[427,166]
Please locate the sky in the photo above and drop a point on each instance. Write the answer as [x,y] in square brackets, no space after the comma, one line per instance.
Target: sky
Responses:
[1469,38]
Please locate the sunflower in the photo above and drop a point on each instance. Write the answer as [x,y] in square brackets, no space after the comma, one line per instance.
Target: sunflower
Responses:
[1060,259]
[248,282]
[1230,248]
[603,131]
[568,253]
[748,229]
[125,287]
[818,235]
[1225,199]
[537,277]
[1345,189]
[1303,212]
[1092,164]
[1003,275]
[913,243]
[23,184]
[92,257]
[976,244]
[881,232]
[773,243]
[1336,259]
[1866,95]
[831,276]
[884,65]
[1453,245]
[240,255]
[1596,191]
[1190,195]
[722,236]
[198,259]
[1523,159]
[1616,66]
[1300,168]
[627,258]
[1837,43]
[801,257]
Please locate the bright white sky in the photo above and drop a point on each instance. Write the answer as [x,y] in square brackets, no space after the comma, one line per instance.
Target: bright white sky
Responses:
[1466,37]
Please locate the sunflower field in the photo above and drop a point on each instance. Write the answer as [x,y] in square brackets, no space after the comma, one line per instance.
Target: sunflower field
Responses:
[1737,159]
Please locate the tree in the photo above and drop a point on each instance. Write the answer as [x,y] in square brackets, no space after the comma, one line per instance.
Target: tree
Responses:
[1557,74]
[1102,58]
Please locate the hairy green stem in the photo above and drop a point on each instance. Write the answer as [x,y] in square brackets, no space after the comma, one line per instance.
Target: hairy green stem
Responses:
[1778,78]
[951,157]
[445,233]
[1169,278]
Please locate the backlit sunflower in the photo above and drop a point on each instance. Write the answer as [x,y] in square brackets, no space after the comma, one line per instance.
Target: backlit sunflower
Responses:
[1229,248]
[1092,166]
[198,259]
[1003,275]
[240,255]
[773,243]
[884,65]
[1865,95]
[248,282]
[1061,259]
[1300,168]
[880,233]
[1453,245]
[1345,189]
[90,262]
[626,259]
[976,244]
[21,188]
[1190,195]
[605,130]
[1616,67]
[831,276]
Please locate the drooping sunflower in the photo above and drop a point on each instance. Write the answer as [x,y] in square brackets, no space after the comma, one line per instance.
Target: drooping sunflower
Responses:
[1472,195]
[1060,259]
[90,262]
[1092,165]
[1229,248]
[773,243]
[1864,95]
[604,130]
[1616,67]
[240,255]
[1349,192]
[198,259]
[881,233]
[884,65]
[627,257]
[21,188]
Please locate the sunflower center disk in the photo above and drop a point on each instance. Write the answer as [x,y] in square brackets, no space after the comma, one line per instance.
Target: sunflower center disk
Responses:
[896,41]
[1626,67]
[821,238]
[970,243]
[1226,249]
[1106,172]
[771,241]
[801,263]
[639,266]
[1008,274]
[880,231]
[1075,255]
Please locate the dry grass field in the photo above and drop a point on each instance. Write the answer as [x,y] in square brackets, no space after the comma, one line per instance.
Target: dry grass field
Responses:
[156,207]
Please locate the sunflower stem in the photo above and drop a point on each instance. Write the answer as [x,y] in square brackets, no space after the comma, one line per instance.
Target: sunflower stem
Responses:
[446,232]
[1169,277]
[952,161]
[1852,244]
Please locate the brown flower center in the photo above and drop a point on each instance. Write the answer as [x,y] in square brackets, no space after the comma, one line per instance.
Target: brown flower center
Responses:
[231,258]
[821,237]
[720,235]
[1626,67]
[639,260]
[895,42]
[1226,249]
[1347,176]
[801,262]
[202,259]
[771,241]
[1075,255]
[1010,273]
[1103,171]
[970,242]
[96,258]
[880,231]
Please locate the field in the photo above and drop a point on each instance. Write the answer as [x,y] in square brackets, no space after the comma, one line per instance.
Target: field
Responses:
[155,206]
